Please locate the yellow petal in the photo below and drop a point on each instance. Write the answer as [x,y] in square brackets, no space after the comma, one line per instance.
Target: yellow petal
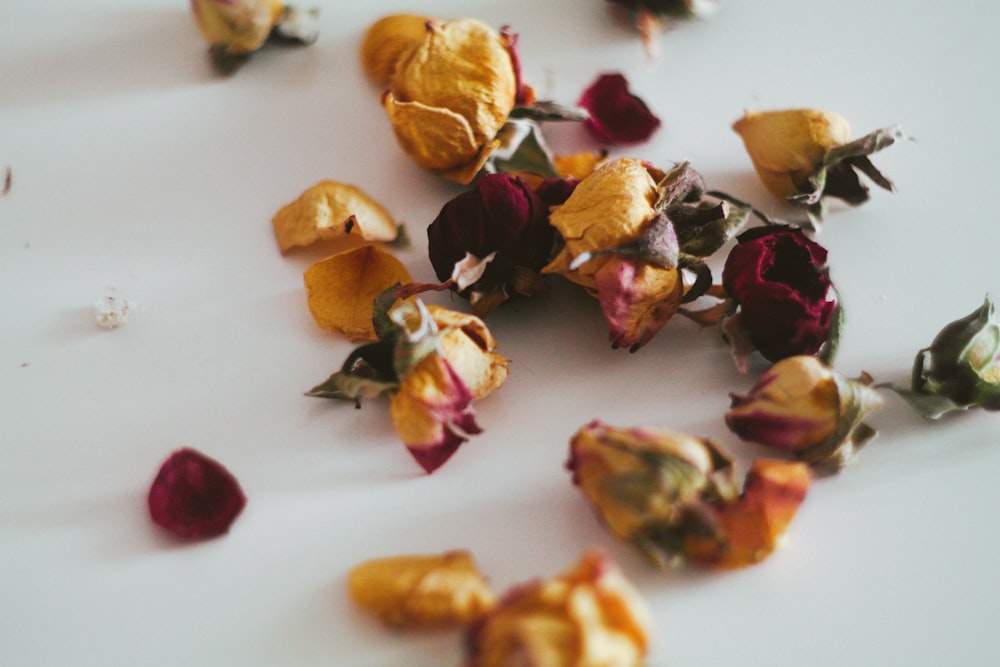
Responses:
[341,289]
[786,147]
[606,210]
[388,41]
[468,346]
[579,165]
[422,590]
[435,137]
[242,27]
[331,211]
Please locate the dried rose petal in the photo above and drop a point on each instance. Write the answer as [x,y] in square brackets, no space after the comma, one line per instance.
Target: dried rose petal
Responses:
[195,497]
[616,115]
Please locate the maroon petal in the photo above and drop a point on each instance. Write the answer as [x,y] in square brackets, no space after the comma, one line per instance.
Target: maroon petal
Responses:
[616,115]
[195,497]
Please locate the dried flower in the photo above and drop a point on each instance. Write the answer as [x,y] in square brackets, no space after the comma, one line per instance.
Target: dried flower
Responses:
[194,496]
[589,616]
[629,230]
[787,303]
[501,216]
[449,96]
[338,213]
[805,155]
[434,362]
[803,406]
[616,116]
[388,41]
[341,289]
[673,496]
[961,368]
[422,590]
[237,28]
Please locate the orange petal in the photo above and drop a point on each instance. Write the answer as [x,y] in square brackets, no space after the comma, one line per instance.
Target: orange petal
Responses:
[579,165]
[341,289]
[751,527]
[331,211]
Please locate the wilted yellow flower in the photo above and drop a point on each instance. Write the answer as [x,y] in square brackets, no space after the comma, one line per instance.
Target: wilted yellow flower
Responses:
[590,616]
[648,485]
[339,213]
[803,406]
[805,155]
[388,41]
[469,347]
[422,590]
[613,207]
[449,96]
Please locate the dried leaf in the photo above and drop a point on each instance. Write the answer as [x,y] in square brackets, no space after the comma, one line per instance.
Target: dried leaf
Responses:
[341,289]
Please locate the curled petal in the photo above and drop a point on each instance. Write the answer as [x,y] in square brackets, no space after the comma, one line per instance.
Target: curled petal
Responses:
[432,412]
[336,212]
[468,346]
[616,115]
[637,299]
[751,528]
[388,41]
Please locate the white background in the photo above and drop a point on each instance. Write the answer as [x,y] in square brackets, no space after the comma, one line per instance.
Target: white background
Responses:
[138,172]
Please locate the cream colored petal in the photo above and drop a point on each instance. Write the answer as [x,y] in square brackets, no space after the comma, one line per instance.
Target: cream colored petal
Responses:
[332,211]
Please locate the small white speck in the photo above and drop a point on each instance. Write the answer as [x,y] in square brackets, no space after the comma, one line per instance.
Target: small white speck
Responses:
[112,311]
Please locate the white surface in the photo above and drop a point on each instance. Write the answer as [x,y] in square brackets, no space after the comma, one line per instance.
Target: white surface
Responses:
[139,173]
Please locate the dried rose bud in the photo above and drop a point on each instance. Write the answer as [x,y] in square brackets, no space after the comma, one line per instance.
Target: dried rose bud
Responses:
[805,155]
[449,97]
[616,116]
[961,368]
[589,616]
[388,41]
[787,303]
[501,216]
[422,590]
[649,486]
[194,497]
[802,406]
[435,362]
[751,528]
[629,230]
[236,28]
[650,15]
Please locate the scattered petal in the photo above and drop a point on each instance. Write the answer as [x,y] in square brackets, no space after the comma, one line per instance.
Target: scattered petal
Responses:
[341,289]
[418,591]
[616,115]
[194,496]
[336,212]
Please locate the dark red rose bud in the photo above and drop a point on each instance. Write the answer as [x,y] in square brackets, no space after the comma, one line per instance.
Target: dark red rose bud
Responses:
[616,115]
[195,497]
[501,215]
[779,279]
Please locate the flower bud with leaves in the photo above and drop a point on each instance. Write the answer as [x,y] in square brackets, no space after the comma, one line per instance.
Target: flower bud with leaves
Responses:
[802,406]
[787,303]
[806,155]
[237,28]
[961,368]
[651,15]
[434,362]
[501,218]
[589,616]
[629,233]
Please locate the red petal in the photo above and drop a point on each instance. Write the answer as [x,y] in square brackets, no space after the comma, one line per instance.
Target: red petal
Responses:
[616,115]
[195,497]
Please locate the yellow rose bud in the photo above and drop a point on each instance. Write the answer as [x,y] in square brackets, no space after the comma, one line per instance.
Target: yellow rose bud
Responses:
[422,590]
[450,95]
[788,147]
[590,616]
[389,40]
[801,405]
